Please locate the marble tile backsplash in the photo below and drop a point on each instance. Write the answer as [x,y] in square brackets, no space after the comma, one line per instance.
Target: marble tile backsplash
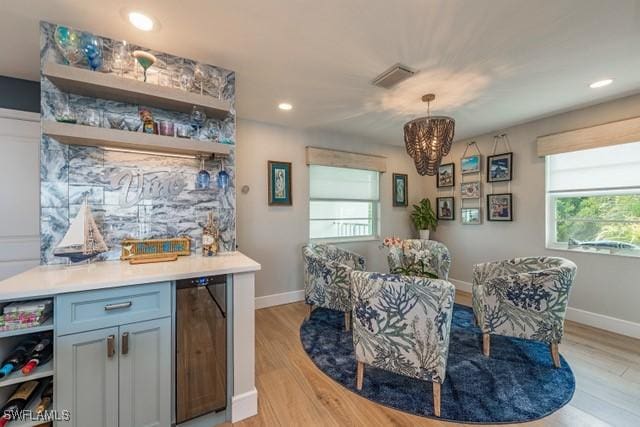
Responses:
[162,200]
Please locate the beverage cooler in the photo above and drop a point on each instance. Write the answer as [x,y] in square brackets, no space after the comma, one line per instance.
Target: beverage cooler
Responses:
[201,347]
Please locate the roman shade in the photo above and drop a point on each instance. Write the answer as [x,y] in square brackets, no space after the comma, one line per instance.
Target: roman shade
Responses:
[345,159]
[604,168]
[614,133]
[330,183]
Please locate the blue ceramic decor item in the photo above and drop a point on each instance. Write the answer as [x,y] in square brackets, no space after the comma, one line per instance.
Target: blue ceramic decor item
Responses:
[203,179]
[223,180]
[92,48]
[68,42]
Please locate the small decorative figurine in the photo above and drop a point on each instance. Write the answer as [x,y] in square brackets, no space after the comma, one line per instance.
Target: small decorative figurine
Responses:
[210,235]
[147,120]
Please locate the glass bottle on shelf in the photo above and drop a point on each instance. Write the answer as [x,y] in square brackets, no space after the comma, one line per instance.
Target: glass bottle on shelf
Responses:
[198,117]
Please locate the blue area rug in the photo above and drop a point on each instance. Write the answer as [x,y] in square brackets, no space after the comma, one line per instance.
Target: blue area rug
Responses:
[518,383]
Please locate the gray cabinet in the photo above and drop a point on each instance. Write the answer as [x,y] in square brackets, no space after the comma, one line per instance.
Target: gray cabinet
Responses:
[118,375]
[87,378]
[145,374]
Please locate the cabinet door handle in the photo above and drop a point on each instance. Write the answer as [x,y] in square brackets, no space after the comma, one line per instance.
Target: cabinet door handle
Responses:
[125,343]
[111,346]
[117,306]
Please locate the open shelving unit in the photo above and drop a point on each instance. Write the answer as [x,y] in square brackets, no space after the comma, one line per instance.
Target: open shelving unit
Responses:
[8,384]
[30,407]
[75,134]
[46,326]
[110,86]
[17,377]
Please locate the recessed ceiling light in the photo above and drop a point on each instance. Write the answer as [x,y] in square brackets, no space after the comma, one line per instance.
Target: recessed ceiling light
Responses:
[285,106]
[141,21]
[601,83]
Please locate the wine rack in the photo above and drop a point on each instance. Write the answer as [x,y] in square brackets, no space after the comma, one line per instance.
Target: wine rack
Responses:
[9,384]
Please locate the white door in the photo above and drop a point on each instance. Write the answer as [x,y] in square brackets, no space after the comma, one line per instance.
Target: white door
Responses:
[19,191]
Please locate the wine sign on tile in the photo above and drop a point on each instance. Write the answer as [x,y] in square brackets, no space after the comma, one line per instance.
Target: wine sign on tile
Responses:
[139,195]
[138,186]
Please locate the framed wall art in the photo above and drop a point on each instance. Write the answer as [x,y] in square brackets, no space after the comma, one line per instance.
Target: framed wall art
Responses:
[499,207]
[280,183]
[445,208]
[471,216]
[400,189]
[470,190]
[446,175]
[470,164]
[499,167]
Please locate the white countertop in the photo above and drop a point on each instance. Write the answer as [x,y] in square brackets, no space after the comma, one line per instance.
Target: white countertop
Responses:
[59,279]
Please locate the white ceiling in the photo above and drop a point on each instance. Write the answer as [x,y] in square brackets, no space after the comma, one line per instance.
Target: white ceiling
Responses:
[491,63]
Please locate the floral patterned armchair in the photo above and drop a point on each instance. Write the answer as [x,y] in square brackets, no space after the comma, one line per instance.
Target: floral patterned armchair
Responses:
[414,257]
[326,277]
[401,324]
[524,298]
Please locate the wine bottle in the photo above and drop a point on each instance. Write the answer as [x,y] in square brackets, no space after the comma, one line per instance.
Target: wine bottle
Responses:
[18,357]
[45,398]
[18,401]
[41,354]
[210,235]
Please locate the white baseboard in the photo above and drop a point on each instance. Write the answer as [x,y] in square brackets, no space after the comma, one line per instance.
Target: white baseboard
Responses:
[600,321]
[244,405]
[279,299]
[460,284]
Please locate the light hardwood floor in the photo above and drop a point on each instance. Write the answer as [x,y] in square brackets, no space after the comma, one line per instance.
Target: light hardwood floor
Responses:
[293,392]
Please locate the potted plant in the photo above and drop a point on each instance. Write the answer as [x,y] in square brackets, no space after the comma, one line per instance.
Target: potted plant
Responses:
[424,218]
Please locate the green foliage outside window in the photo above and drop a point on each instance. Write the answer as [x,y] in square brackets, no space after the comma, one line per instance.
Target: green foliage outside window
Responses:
[611,217]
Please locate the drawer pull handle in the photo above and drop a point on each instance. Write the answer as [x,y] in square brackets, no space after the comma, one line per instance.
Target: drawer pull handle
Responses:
[117,306]
[125,343]
[111,347]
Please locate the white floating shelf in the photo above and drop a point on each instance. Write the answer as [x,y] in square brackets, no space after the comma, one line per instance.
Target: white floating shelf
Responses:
[110,86]
[46,326]
[73,134]
[16,377]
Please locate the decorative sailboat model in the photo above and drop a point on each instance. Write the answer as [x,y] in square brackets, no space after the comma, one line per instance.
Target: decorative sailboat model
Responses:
[83,239]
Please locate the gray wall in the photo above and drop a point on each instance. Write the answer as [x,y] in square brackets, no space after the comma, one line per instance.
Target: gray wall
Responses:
[18,94]
[274,235]
[605,284]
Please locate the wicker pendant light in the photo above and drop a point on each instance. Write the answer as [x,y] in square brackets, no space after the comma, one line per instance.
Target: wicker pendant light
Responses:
[428,139]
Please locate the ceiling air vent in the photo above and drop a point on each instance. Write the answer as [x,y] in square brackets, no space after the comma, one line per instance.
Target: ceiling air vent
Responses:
[393,76]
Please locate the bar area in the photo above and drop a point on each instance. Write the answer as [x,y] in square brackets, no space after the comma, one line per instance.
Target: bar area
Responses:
[141,312]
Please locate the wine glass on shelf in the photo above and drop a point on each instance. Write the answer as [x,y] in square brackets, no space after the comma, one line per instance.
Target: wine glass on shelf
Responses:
[200,74]
[203,178]
[145,59]
[198,117]
[68,42]
[92,48]
[222,179]
[185,77]
[121,58]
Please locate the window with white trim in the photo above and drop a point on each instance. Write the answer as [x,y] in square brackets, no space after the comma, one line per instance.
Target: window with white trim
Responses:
[593,200]
[343,203]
